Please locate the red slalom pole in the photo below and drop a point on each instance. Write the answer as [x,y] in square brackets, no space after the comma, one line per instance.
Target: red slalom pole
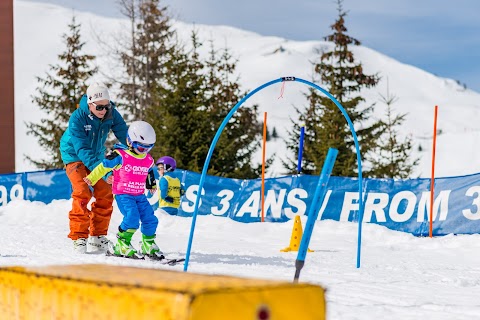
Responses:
[432,180]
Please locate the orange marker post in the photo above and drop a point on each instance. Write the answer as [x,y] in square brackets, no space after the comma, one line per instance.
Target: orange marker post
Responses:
[263,163]
[432,180]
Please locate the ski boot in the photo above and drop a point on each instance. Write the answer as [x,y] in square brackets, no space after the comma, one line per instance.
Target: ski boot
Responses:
[123,247]
[97,244]
[150,248]
[80,245]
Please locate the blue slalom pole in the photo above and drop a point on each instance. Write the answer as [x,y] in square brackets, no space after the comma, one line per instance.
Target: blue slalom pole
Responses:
[224,123]
[318,197]
[300,149]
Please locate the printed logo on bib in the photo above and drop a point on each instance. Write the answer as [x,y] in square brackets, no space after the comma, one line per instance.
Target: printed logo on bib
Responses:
[135,169]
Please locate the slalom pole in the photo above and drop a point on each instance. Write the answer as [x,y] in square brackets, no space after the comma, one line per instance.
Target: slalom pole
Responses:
[318,197]
[263,163]
[223,125]
[432,179]
[300,149]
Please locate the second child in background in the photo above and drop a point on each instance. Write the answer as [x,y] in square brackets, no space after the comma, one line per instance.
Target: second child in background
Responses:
[132,172]
[170,187]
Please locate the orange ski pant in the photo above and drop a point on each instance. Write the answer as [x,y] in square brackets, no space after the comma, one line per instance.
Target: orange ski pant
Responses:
[84,222]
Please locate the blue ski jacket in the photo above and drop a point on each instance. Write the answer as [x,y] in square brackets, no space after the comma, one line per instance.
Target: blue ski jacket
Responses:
[84,139]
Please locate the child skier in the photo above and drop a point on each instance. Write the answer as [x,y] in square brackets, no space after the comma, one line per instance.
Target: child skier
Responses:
[170,187]
[132,173]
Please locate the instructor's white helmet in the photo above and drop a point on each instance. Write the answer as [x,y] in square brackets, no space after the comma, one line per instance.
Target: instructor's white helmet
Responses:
[141,135]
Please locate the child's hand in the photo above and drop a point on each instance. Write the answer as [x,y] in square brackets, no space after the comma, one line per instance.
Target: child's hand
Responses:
[87,181]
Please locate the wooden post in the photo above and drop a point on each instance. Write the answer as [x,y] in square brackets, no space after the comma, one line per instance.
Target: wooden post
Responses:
[7,104]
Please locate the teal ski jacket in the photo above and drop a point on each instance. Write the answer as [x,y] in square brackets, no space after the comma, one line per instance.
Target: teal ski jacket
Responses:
[84,139]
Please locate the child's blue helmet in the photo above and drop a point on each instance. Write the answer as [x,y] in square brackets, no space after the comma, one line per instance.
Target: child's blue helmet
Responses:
[169,164]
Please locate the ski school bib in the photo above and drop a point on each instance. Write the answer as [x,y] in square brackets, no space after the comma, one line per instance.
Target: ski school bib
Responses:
[172,192]
[131,177]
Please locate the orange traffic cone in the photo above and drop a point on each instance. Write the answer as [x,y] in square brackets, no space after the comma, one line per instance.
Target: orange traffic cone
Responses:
[296,237]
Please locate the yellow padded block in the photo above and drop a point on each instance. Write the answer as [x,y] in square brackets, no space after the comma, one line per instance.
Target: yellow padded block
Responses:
[118,292]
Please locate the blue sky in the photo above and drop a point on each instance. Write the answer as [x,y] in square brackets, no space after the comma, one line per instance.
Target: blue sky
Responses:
[439,36]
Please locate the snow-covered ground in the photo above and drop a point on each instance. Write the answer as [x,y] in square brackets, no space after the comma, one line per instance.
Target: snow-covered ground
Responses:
[401,276]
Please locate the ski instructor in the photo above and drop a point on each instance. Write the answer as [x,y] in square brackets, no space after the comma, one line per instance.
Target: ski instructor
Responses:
[82,147]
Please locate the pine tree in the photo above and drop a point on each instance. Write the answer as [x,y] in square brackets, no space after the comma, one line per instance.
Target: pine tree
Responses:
[185,98]
[392,154]
[58,95]
[191,107]
[178,114]
[241,137]
[144,60]
[325,125]
[274,133]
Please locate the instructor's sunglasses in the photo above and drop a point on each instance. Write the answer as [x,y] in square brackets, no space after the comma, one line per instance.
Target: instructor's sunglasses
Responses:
[101,107]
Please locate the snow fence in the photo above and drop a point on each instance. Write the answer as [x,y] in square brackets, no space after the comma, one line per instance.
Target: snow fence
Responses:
[402,205]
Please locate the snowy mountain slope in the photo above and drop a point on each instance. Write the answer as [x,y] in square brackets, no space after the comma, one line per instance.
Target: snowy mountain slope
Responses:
[38,29]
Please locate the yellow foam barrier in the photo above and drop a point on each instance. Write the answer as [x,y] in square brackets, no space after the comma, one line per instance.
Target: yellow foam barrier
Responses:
[117,292]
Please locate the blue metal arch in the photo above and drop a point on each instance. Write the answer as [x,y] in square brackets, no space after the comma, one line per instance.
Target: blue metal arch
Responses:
[224,123]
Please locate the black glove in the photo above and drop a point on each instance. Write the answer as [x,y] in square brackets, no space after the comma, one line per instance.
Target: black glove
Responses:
[150,183]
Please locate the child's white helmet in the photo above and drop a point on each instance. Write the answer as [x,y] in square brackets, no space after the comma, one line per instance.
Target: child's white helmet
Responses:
[141,135]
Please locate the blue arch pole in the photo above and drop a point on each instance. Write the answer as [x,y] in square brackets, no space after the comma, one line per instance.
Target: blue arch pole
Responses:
[217,136]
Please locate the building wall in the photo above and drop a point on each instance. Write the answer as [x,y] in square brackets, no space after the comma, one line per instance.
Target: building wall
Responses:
[7,105]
